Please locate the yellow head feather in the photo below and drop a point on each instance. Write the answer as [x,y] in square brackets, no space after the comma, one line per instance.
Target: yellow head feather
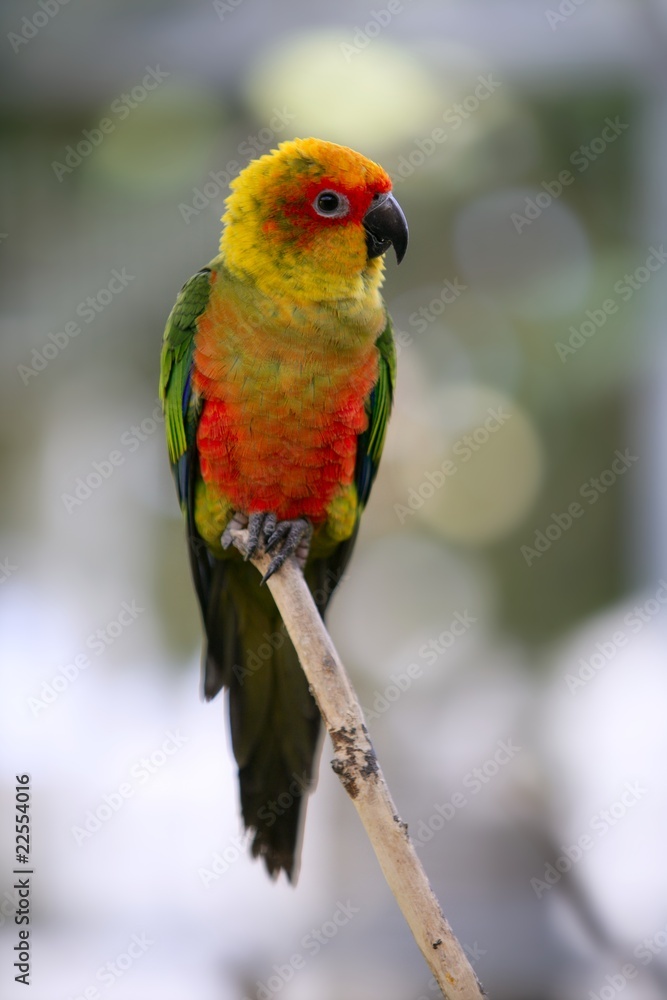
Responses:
[273,237]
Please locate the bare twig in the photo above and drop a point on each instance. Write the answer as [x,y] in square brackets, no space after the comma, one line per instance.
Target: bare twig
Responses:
[357,767]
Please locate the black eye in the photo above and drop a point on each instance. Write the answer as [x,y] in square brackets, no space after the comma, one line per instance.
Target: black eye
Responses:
[331,204]
[328,202]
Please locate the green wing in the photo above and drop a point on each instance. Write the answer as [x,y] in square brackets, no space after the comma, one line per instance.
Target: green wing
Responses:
[181,412]
[323,575]
[378,408]
[176,372]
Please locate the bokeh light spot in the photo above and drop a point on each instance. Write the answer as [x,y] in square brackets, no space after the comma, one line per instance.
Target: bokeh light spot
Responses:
[371,100]
[478,468]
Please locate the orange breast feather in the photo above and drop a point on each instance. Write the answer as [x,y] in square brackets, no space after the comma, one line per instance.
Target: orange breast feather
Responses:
[283,407]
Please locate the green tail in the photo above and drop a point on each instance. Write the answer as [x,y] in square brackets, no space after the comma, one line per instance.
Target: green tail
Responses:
[275,723]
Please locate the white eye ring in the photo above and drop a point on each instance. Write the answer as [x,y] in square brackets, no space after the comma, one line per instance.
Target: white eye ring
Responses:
[331,204]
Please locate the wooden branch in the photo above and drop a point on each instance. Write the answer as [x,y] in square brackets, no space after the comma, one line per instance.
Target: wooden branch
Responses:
[357,767]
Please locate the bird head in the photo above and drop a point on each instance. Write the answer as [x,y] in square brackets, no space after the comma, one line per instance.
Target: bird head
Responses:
[312,219]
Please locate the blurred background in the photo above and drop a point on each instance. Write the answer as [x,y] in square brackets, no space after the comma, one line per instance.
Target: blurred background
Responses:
[504,615]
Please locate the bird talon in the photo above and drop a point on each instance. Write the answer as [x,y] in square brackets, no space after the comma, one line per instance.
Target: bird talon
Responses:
[270,522]
[255,530]
[237,523]
[275,564]
[266,532]
[277,535]
[293,537]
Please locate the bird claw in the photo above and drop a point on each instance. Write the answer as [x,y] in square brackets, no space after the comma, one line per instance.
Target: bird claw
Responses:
[237,523]
[279,532]
[265,531]
[293,537]
[255,531]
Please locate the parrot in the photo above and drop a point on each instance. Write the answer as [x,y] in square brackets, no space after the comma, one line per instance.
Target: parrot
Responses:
[277,376]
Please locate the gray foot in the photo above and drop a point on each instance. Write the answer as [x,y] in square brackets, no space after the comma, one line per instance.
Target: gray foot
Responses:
[280,539]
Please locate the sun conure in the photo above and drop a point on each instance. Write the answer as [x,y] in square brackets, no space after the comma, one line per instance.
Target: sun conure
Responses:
[277,377]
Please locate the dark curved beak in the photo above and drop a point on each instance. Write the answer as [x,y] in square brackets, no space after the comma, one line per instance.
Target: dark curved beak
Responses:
[385,226]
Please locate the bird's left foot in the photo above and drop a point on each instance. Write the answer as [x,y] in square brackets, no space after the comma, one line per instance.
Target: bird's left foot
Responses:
[284,538]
